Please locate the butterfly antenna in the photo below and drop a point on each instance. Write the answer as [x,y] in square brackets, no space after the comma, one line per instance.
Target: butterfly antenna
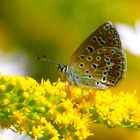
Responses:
[62,68]
[44,58]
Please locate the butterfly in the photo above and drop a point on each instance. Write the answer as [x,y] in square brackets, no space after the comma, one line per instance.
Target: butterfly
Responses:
[99,62]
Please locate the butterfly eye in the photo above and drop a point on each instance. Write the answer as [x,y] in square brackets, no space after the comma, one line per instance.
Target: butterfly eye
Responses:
[62,68]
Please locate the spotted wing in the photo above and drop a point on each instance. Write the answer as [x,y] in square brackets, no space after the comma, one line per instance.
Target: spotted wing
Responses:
[101,70]
[105,35]
[99,61]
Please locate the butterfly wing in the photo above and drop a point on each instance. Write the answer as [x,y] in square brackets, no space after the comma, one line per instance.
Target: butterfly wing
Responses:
[99,61]
[105,35]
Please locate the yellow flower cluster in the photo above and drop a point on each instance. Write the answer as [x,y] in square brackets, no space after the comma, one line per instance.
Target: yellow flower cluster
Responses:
[122,109]
[61,111]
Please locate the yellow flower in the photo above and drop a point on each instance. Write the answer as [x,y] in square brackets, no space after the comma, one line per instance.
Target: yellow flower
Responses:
[37,131]
[67,136]
[49,128]
[41,121]
[2,87]
[118,109]
[21,127]
[5,78]
[13,81]
[48,87]
[61,111]
[25,95]
[18,116]
[6,101]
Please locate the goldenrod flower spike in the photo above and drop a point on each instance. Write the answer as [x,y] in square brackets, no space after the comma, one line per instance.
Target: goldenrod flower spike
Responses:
[61,111]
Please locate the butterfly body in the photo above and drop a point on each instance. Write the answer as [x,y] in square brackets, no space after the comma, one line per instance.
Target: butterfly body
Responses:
[99,62]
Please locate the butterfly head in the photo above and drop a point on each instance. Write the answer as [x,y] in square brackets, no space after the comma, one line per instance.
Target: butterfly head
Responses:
[62,70]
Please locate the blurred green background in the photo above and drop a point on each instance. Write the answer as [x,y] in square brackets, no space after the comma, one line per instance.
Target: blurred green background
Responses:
[32,28]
